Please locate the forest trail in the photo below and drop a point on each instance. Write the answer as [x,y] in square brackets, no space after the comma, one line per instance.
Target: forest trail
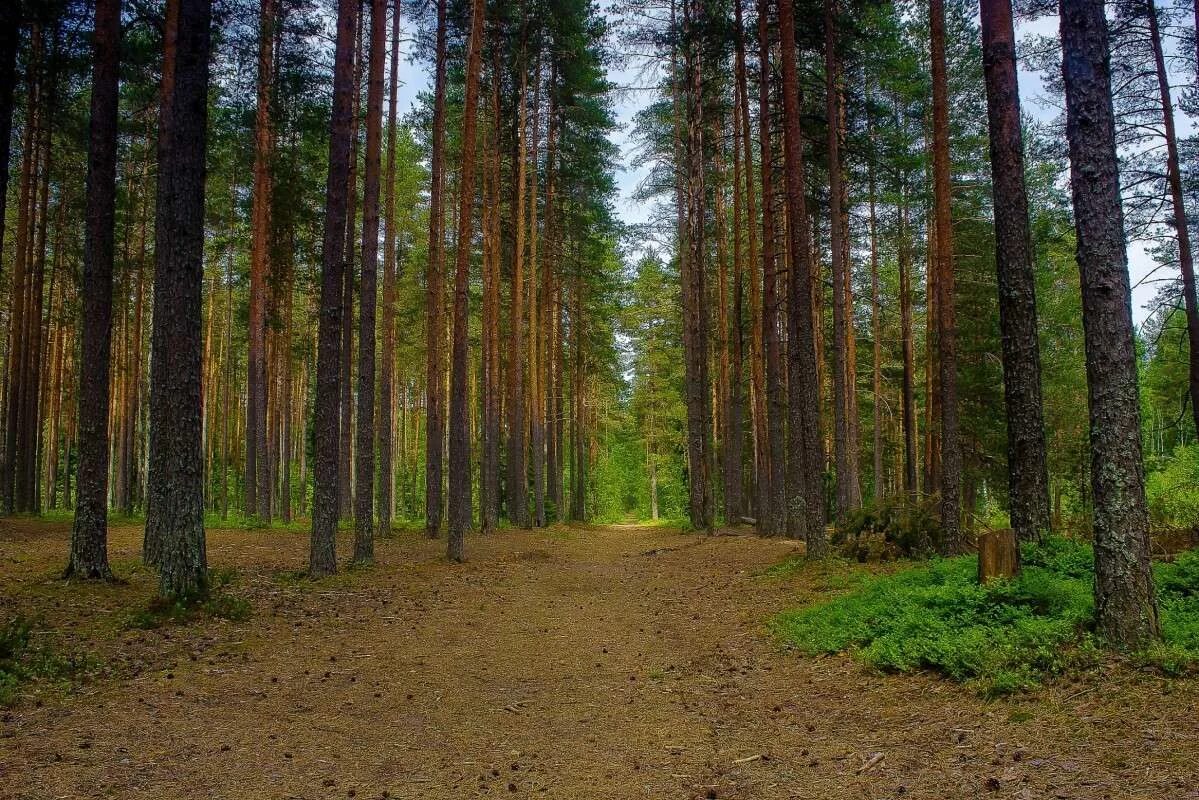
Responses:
[598,662]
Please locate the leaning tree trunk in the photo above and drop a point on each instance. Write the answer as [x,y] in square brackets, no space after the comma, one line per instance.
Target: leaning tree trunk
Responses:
[460,478]
[326,417]
[89,536]
[364,486]
[951,453]
[175,507]
[805,469]
[1186,260]
[1125,603]
[1028,475]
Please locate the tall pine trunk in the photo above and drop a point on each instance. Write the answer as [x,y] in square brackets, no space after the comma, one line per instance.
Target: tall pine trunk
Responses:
[435,300]
[364,486]
[175,508]
[1028,474]
[772,516]
[845,453]
[1125,602]
[805,468]
[258,486]
[386,494]
[695,322]
[489,468]
[322,558]
[517,472]
[89,536]
[951,453]
[460,477]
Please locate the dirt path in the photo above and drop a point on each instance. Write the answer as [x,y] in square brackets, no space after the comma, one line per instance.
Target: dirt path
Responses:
[603,663]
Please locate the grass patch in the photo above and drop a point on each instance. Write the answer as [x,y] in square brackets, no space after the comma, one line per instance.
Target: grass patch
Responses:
[1004,637]
[23,661]
[219,604]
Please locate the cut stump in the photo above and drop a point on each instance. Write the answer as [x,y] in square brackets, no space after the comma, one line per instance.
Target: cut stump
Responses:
[998,555]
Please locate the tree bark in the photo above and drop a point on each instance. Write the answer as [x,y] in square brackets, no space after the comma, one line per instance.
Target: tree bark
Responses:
[517,473]
[326,417]
[10,30]
[772,517]
[258,487]
[364,486]
[435,301]
[386,495]
[1028,474]
[460,477]
[489,469]
[951,452]
[1125,603]
[805,468]
[845,460]
[89,537]
[175,508]
[695,318]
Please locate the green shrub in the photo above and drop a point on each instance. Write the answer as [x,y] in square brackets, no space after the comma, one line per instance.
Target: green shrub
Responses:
[1001,637]
[893,528]
[1173,491]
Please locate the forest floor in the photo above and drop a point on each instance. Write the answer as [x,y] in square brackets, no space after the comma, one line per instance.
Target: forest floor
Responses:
[614,663]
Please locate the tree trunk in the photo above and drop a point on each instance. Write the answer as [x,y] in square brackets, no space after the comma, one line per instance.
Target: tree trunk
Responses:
[951,452]
[489,471]
[435,300]
[10,30]
[517,472]
[258,492]
[849,493]
[460,477]
[772,517]
[695,318]
[876,326]
[89,537]
[364,486]
[1125,603]
[1028,475]
[734,435]
[175,508]
[536,334]
[386,494]
[326,417]
[1186,261]
[805,468]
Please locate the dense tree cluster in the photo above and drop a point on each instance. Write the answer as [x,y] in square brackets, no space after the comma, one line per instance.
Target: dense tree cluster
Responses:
[288,299]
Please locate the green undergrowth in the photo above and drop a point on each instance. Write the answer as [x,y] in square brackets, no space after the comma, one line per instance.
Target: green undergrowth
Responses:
[220,603]
[1000,638]
[26,659]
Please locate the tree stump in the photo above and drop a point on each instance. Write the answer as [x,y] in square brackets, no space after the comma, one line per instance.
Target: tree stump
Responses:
[998,555]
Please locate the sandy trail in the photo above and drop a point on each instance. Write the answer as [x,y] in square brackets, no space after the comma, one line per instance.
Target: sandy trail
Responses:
[610,663]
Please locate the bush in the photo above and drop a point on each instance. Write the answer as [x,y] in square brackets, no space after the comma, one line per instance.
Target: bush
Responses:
[1002,637]
[1173,491]
[894,528]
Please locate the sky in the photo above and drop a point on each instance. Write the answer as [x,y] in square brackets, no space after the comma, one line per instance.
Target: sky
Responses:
[632,98]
